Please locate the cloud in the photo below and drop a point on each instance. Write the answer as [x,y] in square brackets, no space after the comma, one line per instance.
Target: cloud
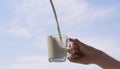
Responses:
[28,62]
[81,13]
[22,32]
[15,29]
[30,59]
[40,62]
[37,15]
[102,13]
[28,18]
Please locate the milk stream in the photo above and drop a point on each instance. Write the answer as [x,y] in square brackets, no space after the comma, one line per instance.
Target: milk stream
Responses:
[58,27]
[57,53]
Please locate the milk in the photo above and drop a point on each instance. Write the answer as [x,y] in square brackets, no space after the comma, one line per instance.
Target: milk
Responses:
[56,45]
[57,51]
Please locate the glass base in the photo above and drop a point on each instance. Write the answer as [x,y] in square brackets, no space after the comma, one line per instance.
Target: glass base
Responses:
[57,59]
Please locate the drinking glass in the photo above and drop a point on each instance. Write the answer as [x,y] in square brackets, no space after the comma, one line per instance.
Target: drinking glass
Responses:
[57,49]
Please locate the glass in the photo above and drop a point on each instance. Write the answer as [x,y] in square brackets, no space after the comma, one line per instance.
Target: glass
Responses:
[57,50]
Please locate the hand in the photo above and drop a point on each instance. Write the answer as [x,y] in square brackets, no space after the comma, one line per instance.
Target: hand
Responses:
[85,54]
[82,53]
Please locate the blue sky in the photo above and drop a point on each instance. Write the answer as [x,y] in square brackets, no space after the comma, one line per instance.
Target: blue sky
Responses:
[25,25]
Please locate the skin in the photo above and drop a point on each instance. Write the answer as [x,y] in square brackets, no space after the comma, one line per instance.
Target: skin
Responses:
[85,54]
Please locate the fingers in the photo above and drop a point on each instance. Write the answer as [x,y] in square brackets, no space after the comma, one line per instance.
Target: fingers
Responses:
[73,57]
[73,48]
[78,43]
[74,51]
[76,57]
[80,52]
[74,43]
[74,40]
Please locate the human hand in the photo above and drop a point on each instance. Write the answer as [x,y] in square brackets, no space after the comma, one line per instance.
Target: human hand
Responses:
[82,53]
[85,54]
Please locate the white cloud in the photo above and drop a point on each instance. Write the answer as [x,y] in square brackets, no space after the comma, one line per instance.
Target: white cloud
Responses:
[70,14]
[39,62]
[37,15]
[102,13]
[14,28]
[19,31]
[28,62]
[81,13]
[30,17]
[34,11]
[30,59]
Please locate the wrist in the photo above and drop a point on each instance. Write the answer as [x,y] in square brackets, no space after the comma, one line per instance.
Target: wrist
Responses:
[99,57]
[107,62]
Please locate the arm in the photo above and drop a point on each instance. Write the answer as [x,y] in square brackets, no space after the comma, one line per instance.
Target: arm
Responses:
[85,54]
[107,62]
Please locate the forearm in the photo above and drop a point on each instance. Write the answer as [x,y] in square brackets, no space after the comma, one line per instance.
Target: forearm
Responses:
[107,62]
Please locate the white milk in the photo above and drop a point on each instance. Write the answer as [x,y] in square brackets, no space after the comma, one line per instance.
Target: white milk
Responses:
[56,46]
[57,53]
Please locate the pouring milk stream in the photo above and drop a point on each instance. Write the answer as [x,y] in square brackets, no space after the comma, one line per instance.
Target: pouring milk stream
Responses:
[56,51]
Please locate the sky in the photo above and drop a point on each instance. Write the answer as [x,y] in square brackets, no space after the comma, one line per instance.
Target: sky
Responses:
[25,25]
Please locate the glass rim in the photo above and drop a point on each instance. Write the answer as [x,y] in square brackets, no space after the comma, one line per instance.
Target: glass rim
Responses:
[56,35]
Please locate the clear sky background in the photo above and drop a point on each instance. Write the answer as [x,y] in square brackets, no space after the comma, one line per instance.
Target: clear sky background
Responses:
[25,25]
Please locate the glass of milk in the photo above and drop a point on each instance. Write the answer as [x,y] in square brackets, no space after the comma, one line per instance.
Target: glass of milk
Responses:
[57,50]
